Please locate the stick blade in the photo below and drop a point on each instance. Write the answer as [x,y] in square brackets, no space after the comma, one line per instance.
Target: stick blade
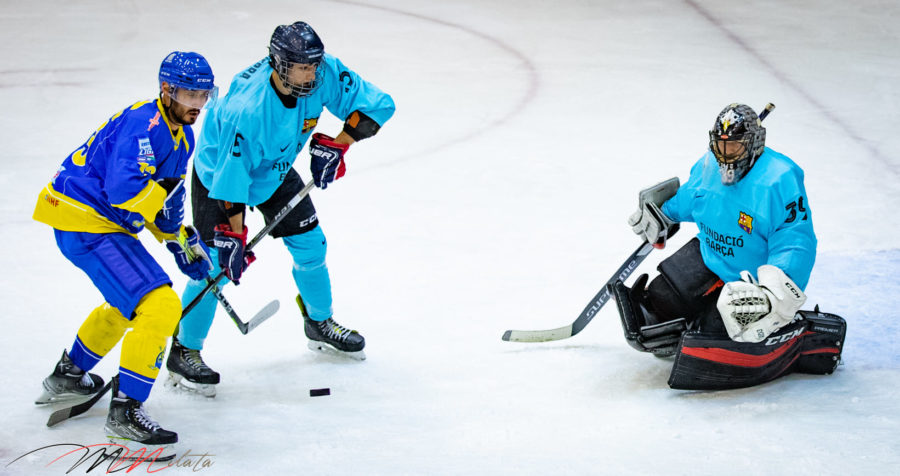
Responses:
[59,416]
[262,315]
[64,414]
[548,335]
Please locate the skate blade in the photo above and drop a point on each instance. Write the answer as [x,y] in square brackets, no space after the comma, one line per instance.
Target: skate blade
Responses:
[139,451]
[47,398]
[179,383]
[326,349]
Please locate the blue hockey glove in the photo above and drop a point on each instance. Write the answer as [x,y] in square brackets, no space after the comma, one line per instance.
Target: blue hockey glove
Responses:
[327,164]
[191,254]
[232,257]
[169,218]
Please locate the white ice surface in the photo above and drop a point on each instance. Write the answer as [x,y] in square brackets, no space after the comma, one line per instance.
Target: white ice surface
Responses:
[495,199]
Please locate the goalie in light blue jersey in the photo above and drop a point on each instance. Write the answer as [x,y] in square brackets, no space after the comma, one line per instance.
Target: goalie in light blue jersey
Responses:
[727,304]
[246,151]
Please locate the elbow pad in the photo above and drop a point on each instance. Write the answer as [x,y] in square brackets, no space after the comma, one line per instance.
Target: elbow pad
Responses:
[231,209]
[360,126]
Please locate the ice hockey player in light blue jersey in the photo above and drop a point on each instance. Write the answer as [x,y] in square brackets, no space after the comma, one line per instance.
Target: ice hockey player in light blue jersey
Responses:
[267,134]
[245,156]
[742,279]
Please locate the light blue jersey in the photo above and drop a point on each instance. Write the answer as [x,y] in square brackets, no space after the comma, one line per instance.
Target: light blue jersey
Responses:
[249,139]
[763,219]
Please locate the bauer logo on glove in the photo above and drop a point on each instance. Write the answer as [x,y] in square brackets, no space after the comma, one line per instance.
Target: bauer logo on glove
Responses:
[327,159]
[233,259]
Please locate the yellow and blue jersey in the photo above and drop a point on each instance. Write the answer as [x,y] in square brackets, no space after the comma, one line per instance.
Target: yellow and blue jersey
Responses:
[108,184]
[762,219]
[250,139]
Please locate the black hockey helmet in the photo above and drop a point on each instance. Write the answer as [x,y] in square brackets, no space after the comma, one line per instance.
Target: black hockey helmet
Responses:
[293,44]
[737,139]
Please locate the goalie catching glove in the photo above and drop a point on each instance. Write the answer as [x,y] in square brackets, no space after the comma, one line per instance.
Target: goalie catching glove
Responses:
[327,159]
[649,221]
[752,310]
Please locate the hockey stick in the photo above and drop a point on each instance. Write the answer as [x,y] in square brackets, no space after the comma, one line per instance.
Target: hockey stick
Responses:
[268,311]
[75,410]
[259,236]
[590,310]
[766,110]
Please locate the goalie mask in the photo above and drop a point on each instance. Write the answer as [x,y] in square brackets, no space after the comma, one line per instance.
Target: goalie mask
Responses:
[737,139]
[295,53]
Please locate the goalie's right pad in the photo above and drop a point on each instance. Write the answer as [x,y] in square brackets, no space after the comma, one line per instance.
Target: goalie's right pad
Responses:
[660,339]
[811,344]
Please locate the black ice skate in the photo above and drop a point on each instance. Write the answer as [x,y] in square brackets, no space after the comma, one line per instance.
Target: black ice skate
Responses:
[188,371]
[69,384]
[129,425]
[330,337]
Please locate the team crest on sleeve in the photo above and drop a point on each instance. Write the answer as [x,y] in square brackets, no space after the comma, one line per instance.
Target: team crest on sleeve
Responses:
[145,149]
[746,222]
[145,158]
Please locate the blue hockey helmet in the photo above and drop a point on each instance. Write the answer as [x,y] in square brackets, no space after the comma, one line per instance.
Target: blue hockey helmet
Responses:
[294,44]
[190,78]
[737,139]
[186,70]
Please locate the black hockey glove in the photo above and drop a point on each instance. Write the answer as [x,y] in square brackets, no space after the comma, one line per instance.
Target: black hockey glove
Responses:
[327,159]
[230,247]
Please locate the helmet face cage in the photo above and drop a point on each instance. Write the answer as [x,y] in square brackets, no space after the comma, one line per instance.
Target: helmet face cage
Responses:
[737,139]
[296,44]
[283,69]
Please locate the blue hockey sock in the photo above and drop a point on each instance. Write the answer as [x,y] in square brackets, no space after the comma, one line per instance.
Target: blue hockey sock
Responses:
[194,327]
[311,272]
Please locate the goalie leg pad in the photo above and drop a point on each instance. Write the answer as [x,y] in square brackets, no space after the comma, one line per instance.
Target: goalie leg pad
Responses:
[822,343]
[657,338]
[714,362]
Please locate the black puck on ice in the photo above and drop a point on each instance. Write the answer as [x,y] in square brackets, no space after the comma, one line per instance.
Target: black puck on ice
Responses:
[319,392]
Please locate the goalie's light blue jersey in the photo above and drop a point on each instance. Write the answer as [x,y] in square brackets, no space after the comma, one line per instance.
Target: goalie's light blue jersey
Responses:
[763,219]
[249,139]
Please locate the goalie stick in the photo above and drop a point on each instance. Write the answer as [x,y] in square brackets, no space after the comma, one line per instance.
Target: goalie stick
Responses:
[601,297]
[590,310]
[214,282]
